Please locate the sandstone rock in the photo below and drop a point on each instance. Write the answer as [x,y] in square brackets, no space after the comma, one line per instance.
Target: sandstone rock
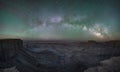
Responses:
[110,65]
[8,51]
[44,61]
[12,69]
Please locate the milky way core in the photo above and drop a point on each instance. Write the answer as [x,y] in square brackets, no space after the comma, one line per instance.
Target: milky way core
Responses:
[60,19]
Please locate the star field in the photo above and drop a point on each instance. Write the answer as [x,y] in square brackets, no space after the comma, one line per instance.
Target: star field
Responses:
[60,19]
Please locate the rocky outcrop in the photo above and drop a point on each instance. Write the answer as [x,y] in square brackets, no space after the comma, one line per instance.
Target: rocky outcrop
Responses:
[43,61]
[110,65]
[8,51]
[12,69]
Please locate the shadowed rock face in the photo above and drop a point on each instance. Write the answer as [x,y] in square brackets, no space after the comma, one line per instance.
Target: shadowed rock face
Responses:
[8,51]
[44,61]
[109,65]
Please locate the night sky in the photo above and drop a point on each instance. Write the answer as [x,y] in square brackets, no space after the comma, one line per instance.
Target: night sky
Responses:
[60,19]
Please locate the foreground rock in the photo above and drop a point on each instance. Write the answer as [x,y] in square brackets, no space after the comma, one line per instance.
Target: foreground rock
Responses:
[43,61]
[12,69]
[8,51]
[110,65]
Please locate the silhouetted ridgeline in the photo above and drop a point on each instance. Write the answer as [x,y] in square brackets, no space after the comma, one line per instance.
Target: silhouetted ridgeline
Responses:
[58,56]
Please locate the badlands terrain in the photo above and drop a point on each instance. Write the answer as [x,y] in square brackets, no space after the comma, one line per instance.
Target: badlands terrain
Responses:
[59,56]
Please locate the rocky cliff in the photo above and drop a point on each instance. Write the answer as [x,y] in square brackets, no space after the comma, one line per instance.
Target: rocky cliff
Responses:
[8,51]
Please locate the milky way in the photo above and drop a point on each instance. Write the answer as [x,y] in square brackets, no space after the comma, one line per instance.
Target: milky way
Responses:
[60,19]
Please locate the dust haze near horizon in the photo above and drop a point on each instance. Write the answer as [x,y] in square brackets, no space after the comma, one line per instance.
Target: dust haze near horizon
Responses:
[60,19]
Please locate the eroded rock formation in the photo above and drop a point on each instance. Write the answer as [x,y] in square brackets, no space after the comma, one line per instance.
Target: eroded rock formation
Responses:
[8,51]
[109,65]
